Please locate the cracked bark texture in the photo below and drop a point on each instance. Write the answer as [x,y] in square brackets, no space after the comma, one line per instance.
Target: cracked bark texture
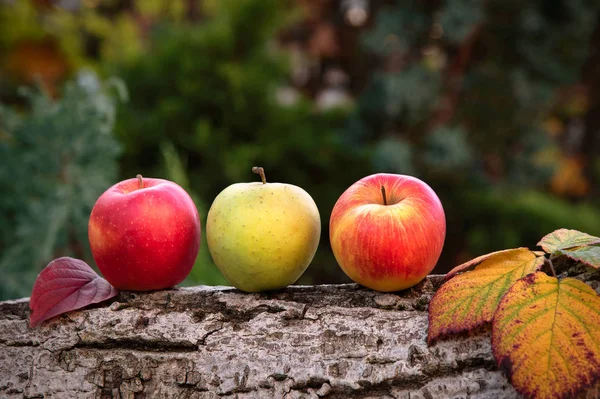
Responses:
[331,341]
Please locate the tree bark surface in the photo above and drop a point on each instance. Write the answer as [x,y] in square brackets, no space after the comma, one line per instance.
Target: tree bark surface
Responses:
[330,341]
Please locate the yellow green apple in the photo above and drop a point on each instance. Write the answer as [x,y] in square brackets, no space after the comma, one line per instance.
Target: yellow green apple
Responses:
[387,231]
[262,236]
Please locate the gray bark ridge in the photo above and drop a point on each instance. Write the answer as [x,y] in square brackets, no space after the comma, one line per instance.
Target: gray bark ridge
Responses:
[330,341]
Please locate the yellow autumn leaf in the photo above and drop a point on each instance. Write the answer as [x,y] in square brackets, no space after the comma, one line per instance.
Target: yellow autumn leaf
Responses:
[546,336]
[470,299]
[474,262]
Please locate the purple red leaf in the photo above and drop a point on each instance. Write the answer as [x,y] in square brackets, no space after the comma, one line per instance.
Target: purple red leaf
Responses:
[64,285]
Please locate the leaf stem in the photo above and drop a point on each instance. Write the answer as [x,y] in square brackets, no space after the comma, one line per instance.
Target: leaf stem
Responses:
[383,195]
[260,171]
[549,262]
[141,180]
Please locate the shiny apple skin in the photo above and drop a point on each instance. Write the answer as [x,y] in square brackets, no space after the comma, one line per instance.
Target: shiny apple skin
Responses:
[388,247]
[146,238]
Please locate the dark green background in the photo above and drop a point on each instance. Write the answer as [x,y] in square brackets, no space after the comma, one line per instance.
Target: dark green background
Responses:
[494,104]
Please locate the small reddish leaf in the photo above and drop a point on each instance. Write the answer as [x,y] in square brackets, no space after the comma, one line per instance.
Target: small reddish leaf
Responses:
[545,336]
[470,299]
[587,255]
[565,239]
[66,284]
[474,262]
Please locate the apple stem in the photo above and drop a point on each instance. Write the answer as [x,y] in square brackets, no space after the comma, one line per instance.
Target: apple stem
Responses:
[383,195]
[141,180]
[260,171]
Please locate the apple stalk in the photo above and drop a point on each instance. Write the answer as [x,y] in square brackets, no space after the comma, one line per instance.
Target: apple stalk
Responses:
[383,195]
[260,171]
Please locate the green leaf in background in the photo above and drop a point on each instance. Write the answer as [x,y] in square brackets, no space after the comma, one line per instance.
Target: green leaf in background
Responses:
[565,239]
[587,255]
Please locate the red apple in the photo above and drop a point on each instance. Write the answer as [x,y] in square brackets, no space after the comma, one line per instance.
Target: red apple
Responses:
[144,234]
[387,231]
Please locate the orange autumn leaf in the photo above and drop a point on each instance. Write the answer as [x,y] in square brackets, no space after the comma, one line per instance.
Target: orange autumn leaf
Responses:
[474,262]
[569,178]
[30,61]
[554,126]
[546,336]
[470,299]
[565,238]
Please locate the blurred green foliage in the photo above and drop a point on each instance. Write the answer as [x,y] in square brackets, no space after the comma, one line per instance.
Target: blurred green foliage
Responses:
[57,158]
[116,39]
[508,219]
[459,98]
[458,93]
[209,95]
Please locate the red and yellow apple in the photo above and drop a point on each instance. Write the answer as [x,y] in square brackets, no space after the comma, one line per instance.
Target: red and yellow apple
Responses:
[387,231]
[144,234]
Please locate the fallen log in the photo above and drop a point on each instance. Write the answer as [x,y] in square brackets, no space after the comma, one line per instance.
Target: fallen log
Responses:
[333,341]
